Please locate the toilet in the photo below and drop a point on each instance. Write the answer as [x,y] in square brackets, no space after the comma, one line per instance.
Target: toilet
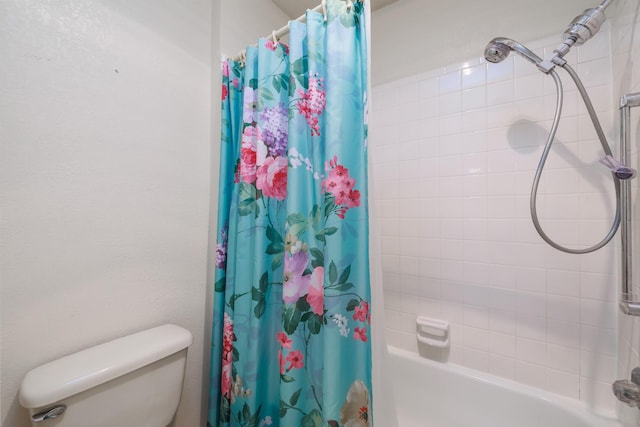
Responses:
[134,381]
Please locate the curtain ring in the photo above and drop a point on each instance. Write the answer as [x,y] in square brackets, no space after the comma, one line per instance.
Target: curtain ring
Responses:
[275,39]
[349,5]
[324,9]
[243,57]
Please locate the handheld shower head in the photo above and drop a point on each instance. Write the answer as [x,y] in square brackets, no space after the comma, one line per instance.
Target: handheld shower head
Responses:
[498,49]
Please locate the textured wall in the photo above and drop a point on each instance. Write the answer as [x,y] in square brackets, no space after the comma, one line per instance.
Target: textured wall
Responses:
[454,153]
[105,137]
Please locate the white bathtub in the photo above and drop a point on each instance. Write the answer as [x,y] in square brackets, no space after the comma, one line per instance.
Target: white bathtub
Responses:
[432,394]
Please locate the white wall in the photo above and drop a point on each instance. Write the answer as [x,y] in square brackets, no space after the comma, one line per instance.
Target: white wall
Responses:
[454,152]
[244,21]
[106,115]
[626,71]
[412,36]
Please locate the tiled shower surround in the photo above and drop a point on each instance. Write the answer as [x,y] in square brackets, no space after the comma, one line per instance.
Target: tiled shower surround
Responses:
[454,152]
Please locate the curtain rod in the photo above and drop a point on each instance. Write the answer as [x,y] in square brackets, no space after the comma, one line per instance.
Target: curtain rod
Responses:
[276,35]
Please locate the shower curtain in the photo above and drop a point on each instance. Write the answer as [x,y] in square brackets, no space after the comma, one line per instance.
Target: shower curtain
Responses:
[291,327]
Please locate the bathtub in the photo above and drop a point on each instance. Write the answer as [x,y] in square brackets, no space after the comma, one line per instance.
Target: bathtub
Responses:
[432,394]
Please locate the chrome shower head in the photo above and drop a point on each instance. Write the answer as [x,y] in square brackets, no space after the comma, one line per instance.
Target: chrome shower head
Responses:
[498,49]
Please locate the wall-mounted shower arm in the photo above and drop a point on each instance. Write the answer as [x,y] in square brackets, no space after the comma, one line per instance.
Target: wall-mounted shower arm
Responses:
[605,4]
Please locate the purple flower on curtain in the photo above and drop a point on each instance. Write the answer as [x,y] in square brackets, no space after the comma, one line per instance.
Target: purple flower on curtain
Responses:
[221,249]
[250,108]
[275,128]
[295,284]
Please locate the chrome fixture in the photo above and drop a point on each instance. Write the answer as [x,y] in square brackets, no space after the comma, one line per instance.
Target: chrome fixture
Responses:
[498,49]
[585,26]
[627,303]
[49,414]
[580,30]
[628,392]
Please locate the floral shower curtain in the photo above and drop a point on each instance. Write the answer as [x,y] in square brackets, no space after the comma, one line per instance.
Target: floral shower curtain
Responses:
[291,327]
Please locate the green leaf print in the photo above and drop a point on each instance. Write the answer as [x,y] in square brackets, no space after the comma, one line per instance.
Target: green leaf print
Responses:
[264,282]
[294,397]
[312,419]
[333,272]
[277,244]
[221,284]
[345,275]
[276,261]
[260,308]
[291,319]
[247,203]
[318,258]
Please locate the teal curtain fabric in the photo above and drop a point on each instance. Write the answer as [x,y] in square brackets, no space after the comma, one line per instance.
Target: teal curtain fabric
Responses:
[291,327]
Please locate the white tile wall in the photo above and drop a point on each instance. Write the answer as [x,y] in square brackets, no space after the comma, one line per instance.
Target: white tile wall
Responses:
[625,38]
[455,150]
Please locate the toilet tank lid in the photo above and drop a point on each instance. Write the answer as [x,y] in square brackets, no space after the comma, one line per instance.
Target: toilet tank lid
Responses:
[89,368]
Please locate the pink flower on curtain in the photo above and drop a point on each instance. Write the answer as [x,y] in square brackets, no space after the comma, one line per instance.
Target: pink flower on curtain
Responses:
[353,199]
[227,355]
[295,359]
[248,154]
[361,312]
[272,177]
[282,361]
[340,184]
[360,334]
[295,284]
[269,44]
[312,103]
[315,298]
[284,340]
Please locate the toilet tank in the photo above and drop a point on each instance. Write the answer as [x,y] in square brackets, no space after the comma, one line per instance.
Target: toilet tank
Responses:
[134,381]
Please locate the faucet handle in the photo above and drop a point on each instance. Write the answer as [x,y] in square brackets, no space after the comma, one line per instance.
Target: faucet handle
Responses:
[627,392]
[635,376]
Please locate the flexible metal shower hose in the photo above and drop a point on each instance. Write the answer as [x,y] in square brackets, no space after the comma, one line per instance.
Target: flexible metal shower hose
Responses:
[545,154]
